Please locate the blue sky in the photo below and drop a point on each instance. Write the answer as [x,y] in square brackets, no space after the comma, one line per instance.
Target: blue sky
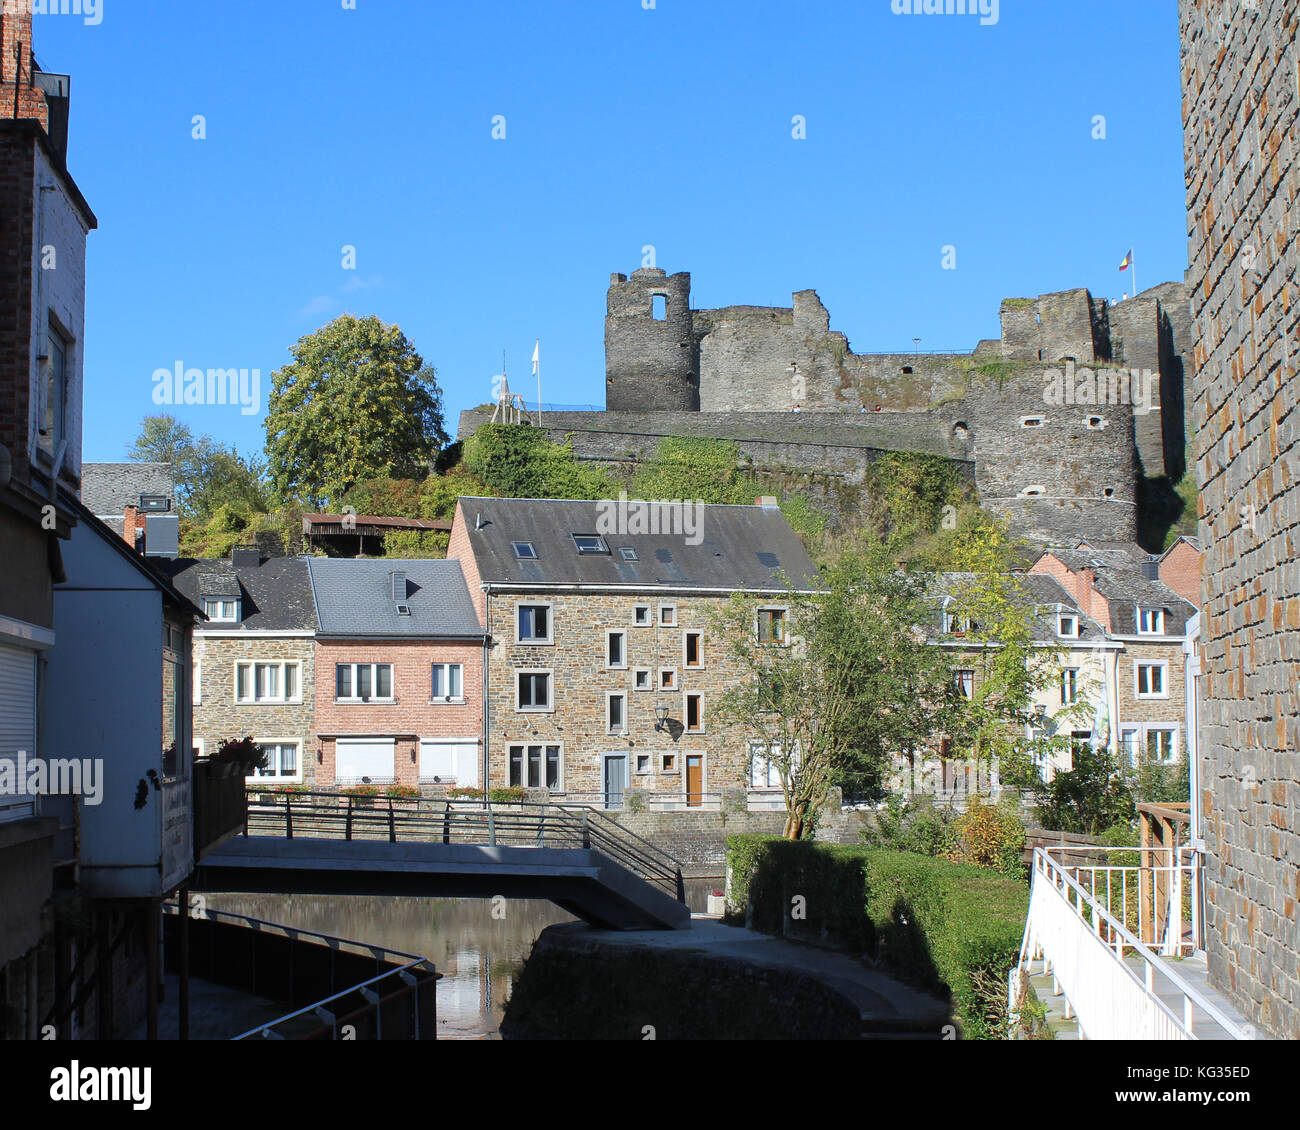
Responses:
[625,127]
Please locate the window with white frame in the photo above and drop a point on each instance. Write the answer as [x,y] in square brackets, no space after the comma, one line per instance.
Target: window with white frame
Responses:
[668,615]
[641,615]
[281,761]
[692,649]
[363,682]
[196,696]
[1162,743]
[447,682]
[1151,680]
[644,763]
[965,683]
[1069,685]
[1067,626]
[667,678]
[536,766]
[616,650]
[533,691]
[221,609]
[616,712]
[668,763]
[534,624]
[641,679]
[1151,621]
[267,682]
[693,713]
[771,625]
[764,766]
[1130,743]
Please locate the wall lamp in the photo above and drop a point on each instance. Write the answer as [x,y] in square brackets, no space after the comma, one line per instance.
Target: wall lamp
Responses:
[661,717]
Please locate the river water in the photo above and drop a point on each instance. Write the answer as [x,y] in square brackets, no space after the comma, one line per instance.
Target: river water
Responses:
[479,947]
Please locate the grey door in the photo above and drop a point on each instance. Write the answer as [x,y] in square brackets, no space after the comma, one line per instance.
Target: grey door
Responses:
[615,779]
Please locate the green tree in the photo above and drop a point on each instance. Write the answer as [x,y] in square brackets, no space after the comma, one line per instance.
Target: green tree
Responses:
[849,681]
[356,402]
[208,475]
[1088,798]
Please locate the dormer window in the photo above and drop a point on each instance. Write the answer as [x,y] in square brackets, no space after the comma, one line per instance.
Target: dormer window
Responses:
[1151,621]
[590,543]
[220,609]
[1067,626]
[525,550]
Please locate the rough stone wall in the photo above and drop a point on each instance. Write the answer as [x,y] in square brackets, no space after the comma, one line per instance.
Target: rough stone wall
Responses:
[1168,709]
[581,681]
[217,716]
[1241,102]
[650,363]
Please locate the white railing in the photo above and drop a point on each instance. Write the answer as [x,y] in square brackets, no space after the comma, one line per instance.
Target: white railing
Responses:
[1084,945]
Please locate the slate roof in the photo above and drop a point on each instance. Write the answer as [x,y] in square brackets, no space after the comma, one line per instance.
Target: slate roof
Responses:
[1040,591]
[740,547]
[275,595]
[354,598]
[107,489]
[1121,581]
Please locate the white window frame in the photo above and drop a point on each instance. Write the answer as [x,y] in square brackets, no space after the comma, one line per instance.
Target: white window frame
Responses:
[451,700]
[699,650]
[610,728]
[278,778]
[549,641]
[960,681]
[278,700]
[1061,617]
[671,685]
[771,773]
[1070,677]
[549,672]
[1170,728]
[686,697]
[785,625]
[609,634]
[196,692]
[1163,666]
[648,621]
[1158,617]
[221,602]
[559,782]
[664,758]
[649,674]
[1131,749]
[671,622]
[650,764]
[374,682]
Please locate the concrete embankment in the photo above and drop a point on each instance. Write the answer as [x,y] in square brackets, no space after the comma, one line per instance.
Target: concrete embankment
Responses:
[708,982]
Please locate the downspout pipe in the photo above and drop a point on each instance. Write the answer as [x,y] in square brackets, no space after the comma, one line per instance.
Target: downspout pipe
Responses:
[487,646]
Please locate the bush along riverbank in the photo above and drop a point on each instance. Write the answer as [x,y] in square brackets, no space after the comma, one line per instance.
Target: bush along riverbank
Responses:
[948,928]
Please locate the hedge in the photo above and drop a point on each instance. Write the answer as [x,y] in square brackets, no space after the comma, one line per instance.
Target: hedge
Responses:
[951,928]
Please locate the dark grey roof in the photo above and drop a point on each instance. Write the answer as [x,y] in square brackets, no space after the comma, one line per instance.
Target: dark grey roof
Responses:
[1036,590]
[354,597]
[1121,581]
[107,489]
[740,547]
[274,596]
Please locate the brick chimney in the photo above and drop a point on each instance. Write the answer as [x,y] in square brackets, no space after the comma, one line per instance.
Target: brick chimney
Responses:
[20,97]
[132,526]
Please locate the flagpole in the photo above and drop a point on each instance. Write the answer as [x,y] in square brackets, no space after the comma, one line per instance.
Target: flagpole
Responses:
[1133,266]
[537,366]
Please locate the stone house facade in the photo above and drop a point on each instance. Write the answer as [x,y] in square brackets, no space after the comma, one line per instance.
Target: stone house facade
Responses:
[603,659]
[1241,110]
[398,660]
[254,659]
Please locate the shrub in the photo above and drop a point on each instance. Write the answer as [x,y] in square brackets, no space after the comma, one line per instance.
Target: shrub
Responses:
[951,928]
[244,753]
[463,792]
[1087,798]
[912,824]
[515,794]
[402,792]
[989,835]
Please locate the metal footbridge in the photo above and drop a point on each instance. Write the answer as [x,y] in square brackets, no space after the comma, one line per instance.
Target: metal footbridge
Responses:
[338,844]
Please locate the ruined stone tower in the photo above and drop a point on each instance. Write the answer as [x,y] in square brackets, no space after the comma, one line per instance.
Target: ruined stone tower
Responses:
[651,359]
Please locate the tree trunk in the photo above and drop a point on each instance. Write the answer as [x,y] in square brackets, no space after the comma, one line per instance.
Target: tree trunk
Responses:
[793,826]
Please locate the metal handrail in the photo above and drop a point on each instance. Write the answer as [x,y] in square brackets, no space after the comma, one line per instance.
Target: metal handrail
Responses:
[1056,873]
[445,816]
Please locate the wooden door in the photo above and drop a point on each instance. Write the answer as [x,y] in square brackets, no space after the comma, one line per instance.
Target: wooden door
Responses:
[694,780]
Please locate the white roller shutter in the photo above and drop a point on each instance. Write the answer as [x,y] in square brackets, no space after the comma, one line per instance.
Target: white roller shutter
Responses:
[364,757]
[451,759]
[17,721]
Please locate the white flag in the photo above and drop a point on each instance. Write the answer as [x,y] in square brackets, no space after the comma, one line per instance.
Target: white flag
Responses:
[537,355]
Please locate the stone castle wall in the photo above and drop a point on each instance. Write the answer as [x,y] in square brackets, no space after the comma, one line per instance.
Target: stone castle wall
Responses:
[1241,111]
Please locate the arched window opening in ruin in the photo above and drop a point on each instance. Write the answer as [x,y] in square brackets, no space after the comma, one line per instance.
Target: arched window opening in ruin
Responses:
[1033,492]
[1096,423]
[659,307]
[1109,492]
[960,430]
[907,369]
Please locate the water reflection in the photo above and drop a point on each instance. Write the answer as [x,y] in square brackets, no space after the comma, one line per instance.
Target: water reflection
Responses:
[479,947]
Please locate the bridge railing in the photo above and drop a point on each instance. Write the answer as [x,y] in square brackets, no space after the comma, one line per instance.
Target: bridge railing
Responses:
[314,815]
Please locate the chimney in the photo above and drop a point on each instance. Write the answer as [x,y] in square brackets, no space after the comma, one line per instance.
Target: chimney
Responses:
[132,525]
[20,96]
[767,501]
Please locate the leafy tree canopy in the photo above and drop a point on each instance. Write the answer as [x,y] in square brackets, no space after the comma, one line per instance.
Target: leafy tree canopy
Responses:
[519,461]
[356,402]
[209,476]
